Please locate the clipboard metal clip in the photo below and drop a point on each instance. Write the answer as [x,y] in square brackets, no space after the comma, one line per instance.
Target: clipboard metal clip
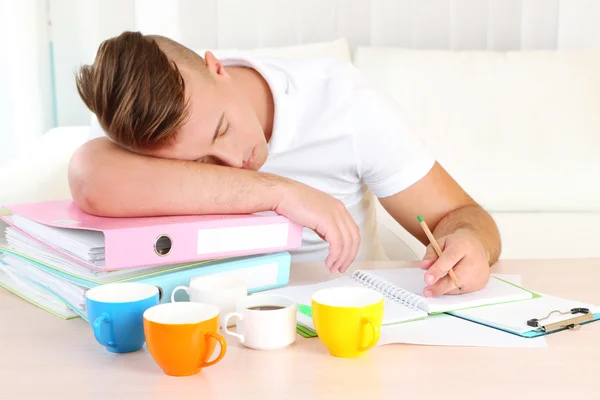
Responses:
[571,323]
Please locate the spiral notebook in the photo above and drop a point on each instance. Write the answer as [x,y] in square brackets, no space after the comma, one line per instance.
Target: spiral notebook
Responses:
[403,294]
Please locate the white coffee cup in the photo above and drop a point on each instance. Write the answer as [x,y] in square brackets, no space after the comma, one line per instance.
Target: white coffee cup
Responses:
[222,291]
[265,321]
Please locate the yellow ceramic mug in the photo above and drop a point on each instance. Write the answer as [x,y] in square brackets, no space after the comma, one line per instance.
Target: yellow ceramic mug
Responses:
[347,319]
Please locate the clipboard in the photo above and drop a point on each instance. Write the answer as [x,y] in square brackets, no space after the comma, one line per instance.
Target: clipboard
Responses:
[582,315]
[536,317]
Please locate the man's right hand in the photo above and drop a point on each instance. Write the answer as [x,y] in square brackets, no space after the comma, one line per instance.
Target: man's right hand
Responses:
[325,215]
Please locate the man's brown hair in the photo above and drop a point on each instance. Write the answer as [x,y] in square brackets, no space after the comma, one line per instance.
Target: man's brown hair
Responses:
[135,90]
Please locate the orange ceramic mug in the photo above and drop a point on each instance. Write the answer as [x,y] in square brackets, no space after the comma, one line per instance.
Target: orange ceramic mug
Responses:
[182,337]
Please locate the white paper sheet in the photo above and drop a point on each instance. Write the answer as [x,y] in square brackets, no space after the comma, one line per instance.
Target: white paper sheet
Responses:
[413,281]
[446,330]
[86,245]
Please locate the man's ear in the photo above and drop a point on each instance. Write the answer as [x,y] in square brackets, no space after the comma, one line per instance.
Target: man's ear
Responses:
[215,67]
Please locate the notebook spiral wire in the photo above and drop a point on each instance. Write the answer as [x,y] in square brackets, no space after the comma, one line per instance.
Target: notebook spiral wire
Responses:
[392,292]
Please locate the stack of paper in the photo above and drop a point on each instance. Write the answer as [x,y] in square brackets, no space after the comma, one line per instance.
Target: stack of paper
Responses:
[85,245]
[34,293]
[22,244]
[52,252]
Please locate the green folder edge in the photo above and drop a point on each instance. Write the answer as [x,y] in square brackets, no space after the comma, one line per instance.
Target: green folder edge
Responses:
[534,295]
[305,332]
[37,304]
[309,333]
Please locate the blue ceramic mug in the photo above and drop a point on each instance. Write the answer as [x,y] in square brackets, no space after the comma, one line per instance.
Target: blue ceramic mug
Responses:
[115,313]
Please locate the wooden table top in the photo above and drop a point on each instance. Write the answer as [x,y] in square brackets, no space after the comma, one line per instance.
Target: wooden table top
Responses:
[43,356]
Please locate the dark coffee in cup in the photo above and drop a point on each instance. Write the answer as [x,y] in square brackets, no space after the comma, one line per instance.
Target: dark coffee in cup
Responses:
[265,321]
[265,308]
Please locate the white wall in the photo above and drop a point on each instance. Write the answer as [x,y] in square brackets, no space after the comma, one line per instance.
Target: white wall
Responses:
[78,27]
[25,76]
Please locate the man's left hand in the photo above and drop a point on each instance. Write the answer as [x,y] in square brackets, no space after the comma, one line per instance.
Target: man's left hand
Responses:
[462,251]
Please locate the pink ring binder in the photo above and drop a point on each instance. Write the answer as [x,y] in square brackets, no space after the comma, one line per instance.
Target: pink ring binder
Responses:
[118,243]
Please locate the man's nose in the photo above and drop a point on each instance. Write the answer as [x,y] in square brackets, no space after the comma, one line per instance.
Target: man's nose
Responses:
[231,156]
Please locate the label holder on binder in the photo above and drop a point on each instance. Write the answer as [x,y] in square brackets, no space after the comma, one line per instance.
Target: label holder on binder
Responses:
[570,323]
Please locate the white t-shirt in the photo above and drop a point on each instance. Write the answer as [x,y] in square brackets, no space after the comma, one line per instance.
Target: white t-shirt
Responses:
[335,131]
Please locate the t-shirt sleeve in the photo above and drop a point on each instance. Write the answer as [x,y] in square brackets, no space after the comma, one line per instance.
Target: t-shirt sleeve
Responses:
[390,157]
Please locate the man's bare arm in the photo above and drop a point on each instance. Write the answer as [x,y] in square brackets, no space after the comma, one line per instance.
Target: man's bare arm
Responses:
[466,233]
[446,208]
[107,180]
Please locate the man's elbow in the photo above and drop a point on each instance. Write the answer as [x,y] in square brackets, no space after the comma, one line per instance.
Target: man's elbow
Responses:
[87,182]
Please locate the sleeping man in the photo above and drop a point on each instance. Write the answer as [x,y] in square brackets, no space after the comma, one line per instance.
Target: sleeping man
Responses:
[312,140]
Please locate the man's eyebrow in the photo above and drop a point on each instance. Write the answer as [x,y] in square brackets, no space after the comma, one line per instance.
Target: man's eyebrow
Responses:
[218,127]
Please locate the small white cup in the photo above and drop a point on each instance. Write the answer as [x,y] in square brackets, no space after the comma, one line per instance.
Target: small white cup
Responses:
[265,321]
[221,291]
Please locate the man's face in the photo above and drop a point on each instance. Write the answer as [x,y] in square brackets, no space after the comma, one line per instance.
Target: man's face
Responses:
[221,129]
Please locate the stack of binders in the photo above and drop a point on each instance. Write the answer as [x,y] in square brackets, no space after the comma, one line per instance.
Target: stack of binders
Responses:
[52,252]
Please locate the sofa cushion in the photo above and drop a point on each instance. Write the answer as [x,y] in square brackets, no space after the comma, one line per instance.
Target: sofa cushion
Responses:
[518,130]
[525,235]
[549,235]
[41,173]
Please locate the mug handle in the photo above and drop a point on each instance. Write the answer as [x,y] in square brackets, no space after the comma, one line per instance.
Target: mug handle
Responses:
[222,352]
[184,288]
[376,333]
[104,317]
[226,323]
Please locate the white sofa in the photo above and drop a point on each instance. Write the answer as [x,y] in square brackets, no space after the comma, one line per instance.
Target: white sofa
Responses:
[520,132]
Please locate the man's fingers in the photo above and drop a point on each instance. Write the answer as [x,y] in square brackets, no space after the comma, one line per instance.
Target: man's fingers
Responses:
[442,286]
[425,264]
[334,238]
[346,256]
[449,258]
[344,239]
[354,243]
[346,244]
[430,255]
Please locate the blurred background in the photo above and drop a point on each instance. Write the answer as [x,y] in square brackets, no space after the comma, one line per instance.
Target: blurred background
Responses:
[505,92]
[42,42]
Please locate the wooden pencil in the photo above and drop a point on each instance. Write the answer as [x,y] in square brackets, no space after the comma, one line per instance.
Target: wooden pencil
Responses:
[438,250]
